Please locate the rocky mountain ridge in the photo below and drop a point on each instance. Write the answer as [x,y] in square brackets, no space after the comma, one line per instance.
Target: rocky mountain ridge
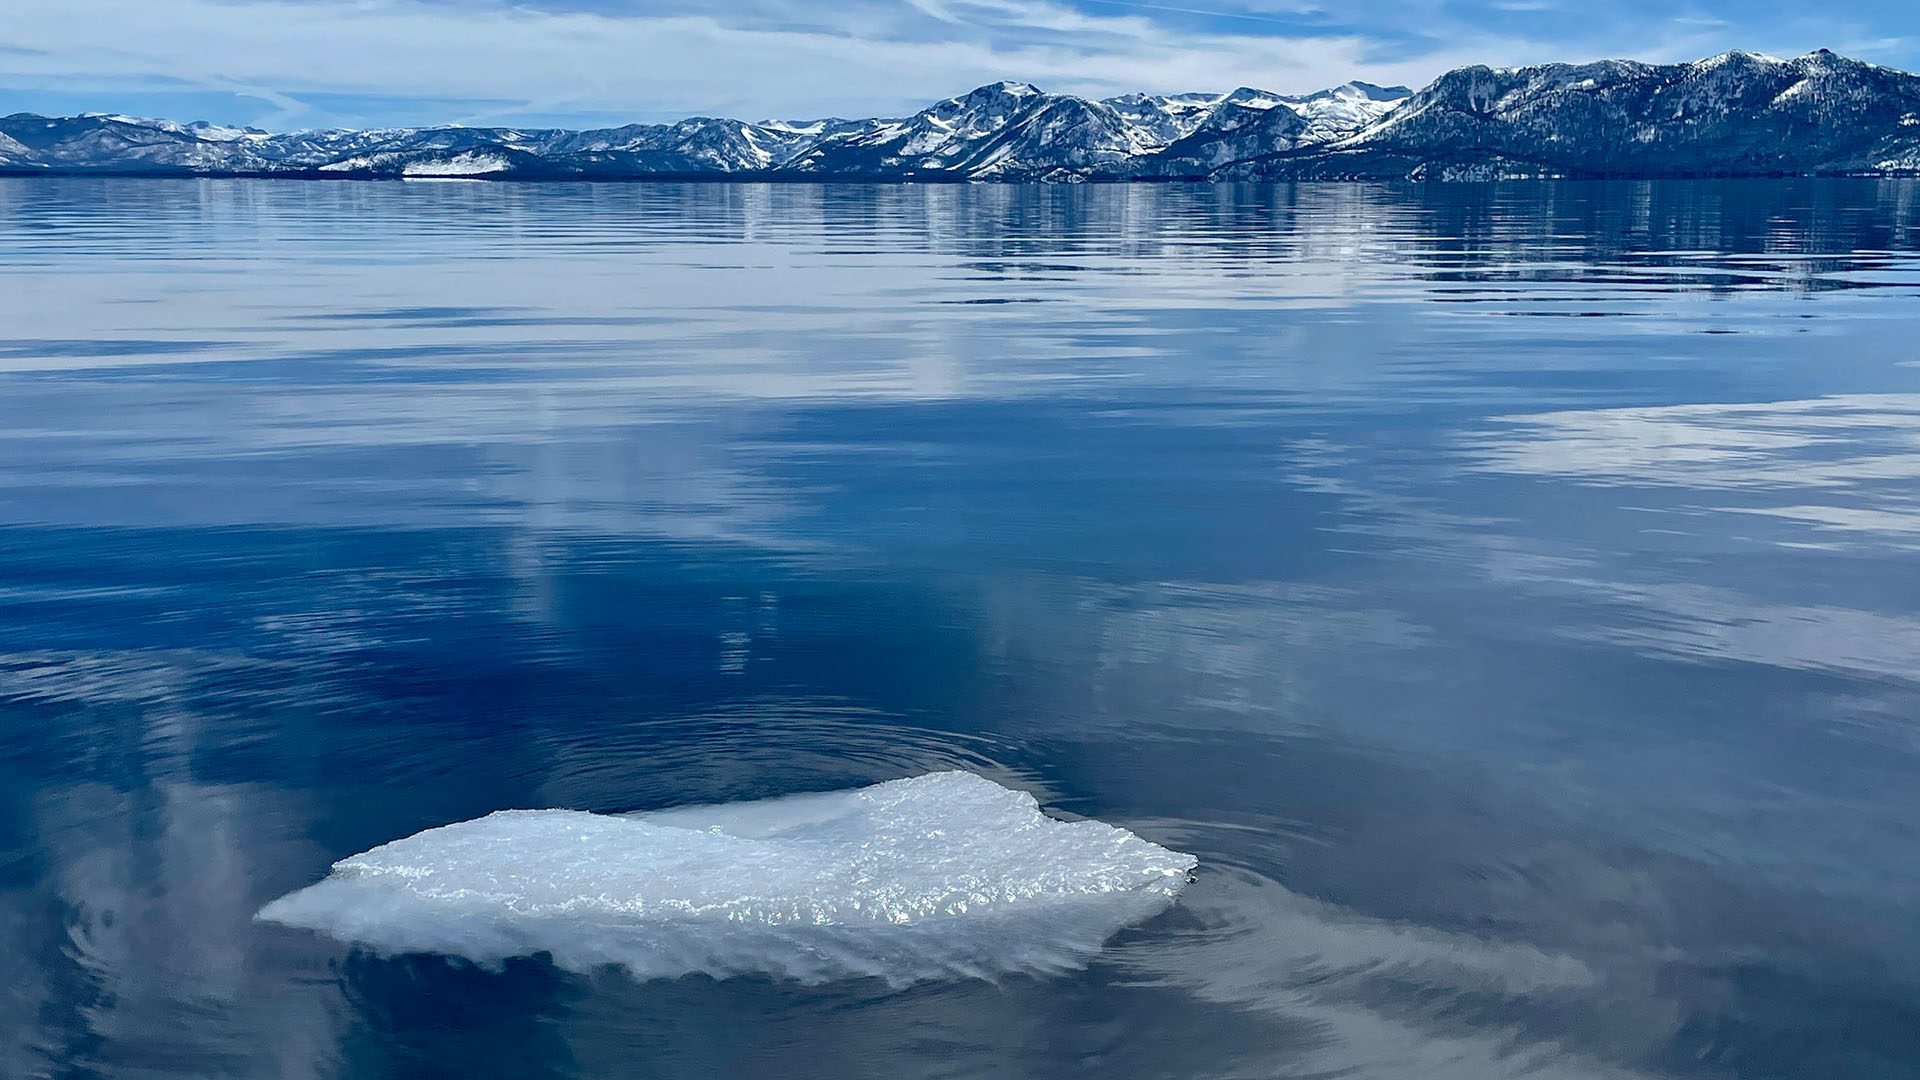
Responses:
[1733,114]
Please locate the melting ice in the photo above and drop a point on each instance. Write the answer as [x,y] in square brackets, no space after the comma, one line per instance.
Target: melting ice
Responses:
[935,876]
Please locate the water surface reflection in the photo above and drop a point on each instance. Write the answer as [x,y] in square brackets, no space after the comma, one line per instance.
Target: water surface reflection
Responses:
[1505,590]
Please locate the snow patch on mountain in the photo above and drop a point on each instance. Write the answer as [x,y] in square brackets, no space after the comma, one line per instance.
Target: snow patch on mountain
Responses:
[1736,113]
[468,164]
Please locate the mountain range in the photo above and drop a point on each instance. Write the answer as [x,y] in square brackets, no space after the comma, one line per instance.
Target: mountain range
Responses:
[1738,114]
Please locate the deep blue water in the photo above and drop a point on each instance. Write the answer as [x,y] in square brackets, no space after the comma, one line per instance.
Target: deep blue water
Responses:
[1508,592]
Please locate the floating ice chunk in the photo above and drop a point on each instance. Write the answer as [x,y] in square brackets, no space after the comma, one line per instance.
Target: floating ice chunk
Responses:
[935,876]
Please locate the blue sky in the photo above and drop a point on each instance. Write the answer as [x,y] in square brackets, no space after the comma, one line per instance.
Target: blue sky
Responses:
[308,63]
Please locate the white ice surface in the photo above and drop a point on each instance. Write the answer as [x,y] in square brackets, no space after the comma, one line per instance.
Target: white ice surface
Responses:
[935,876]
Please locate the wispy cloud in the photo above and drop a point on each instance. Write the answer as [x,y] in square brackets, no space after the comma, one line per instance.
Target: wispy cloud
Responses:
[320,61]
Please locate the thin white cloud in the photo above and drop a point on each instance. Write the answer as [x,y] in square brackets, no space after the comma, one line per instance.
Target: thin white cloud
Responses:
[771,58]
[653,66]
[648,65]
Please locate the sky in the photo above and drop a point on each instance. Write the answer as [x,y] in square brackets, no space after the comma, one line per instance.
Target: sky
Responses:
[288,64]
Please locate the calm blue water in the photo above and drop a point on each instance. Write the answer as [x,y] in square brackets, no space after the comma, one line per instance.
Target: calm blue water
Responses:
[1510,593]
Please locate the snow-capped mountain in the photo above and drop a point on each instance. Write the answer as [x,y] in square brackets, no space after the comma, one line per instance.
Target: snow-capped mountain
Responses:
[97,140]
[1013,131]
[1345,109]
[1003,131]
[1250,123]
[1162,118]
[1737,113]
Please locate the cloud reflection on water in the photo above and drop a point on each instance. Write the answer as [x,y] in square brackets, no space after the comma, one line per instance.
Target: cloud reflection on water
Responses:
[1528,722]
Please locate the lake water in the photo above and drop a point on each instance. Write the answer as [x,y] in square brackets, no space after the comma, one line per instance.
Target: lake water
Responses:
[1509,593]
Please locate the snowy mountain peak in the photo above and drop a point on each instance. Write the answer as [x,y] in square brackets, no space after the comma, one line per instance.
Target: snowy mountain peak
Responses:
[1360,91]
[1374,92]
[1003,89]
[1736,113]
[1252,98]
[1737,58]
